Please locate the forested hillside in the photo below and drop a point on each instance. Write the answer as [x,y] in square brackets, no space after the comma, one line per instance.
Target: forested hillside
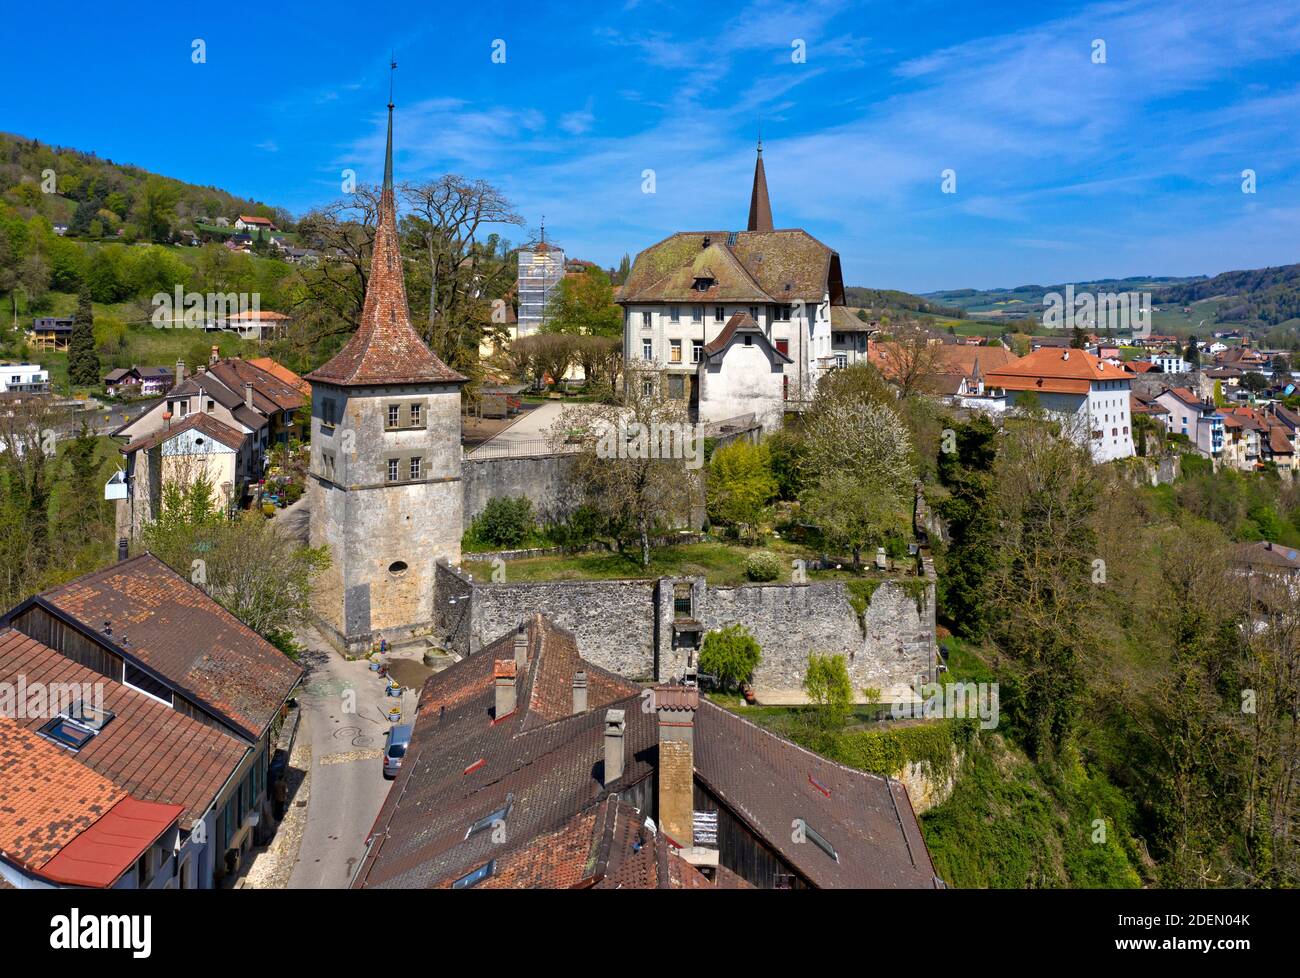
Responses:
[97,198]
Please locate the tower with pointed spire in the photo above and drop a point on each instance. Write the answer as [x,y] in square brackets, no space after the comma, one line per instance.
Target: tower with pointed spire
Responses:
[760,207]
[384,485]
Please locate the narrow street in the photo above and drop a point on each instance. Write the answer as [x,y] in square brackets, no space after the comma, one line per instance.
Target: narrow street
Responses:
[345,785]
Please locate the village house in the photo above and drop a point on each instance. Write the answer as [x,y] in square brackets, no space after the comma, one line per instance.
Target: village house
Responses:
[531,767]
[1089,396]
[196,446]
[138,743]
[137,381]
[246,222]
[850,337]
[254,324]
[140,624]
[1200,421]
[23,378]
[683,291]
[1170,363]
[246,409]
[1257,438]
[51,333]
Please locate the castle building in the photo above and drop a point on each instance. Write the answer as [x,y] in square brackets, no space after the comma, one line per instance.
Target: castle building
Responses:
[384,485]
[683,292]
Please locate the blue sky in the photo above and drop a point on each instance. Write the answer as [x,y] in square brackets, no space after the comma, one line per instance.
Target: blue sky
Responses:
[1066,170]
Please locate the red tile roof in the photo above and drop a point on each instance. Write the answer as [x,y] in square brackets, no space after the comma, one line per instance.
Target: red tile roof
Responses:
[198,421]
[1052,370]
[281,372]
[178,632]
[148,749]
[546,765]
[47,799]
[271,393]
[385,349]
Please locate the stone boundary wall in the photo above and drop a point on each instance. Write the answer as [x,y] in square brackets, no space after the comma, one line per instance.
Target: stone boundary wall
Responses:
[630,626]
[542,478]
[545,479]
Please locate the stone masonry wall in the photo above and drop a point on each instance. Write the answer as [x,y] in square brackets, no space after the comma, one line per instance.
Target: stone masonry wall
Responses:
[629,626]
[542,478]
[888,646]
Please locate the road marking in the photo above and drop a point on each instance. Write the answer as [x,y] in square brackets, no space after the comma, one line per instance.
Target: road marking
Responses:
[348,756]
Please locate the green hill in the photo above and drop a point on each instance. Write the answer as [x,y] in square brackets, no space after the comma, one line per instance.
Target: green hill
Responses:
[98,198]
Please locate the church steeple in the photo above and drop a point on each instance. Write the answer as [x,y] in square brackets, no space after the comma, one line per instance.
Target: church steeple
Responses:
[760,208]
[386,349]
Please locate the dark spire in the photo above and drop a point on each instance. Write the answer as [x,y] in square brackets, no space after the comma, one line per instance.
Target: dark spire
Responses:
[388,153]
[385,349]
[760,207]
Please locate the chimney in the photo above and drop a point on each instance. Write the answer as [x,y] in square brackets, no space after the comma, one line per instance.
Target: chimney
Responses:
[615,726]
[180,374]
[676,706]
[248,395]
[521,649]
[122,549]
[504,674]
[580,691]
[213,356]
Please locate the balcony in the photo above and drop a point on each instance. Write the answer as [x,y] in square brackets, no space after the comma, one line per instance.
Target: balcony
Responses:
[116,487]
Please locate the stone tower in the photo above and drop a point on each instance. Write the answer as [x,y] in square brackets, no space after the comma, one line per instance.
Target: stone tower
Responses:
[384,486]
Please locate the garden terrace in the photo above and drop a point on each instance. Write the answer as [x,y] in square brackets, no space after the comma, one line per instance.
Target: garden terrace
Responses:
[717,562]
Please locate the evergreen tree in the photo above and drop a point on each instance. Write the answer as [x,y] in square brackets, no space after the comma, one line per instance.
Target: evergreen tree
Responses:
[1077,339]
[1192,353]
[83,361]
[81,512]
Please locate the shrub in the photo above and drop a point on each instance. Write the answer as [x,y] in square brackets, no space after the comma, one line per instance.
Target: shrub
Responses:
[740,483]
[578,529]
[504,522]
[827,683]
[762,566]
[730,654]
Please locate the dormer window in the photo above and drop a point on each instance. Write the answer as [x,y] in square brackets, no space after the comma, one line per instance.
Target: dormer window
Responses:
[703,284]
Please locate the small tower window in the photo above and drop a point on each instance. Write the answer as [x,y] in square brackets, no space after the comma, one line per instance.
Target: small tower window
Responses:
[394,469]
[415,416]
[416,466]
[397,568]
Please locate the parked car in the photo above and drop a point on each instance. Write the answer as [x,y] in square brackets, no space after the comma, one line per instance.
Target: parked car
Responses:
[395,744]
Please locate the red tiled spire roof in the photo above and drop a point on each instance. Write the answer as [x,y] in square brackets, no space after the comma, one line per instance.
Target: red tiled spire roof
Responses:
[385,349]
[760,208]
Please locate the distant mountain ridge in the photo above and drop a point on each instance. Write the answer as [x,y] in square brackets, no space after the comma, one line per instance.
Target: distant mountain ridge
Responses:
[1260,298]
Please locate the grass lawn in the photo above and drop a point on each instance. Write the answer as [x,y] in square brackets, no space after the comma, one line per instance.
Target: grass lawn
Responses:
[718,563]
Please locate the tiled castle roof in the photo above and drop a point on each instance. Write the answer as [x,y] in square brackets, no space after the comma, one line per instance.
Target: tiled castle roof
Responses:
[385,349]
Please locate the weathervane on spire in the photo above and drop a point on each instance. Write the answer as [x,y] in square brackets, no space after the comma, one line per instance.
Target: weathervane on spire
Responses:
[392,67]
